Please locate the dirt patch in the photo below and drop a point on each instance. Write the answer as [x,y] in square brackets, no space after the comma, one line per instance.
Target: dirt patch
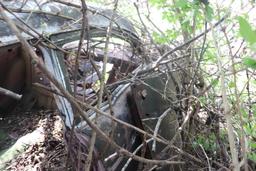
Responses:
[47,150]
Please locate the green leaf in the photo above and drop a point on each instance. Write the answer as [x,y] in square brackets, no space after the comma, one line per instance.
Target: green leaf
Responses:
[253,145]
[209,13]
[172,34]
[157,2]
[246,31]
[250,62]
[159,38]
[181,3]
[253,47]
[214,82]
[252,156]
[231,84]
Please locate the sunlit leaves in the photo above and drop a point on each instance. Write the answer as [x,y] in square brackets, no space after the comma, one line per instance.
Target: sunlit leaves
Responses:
[182,4]
[252,156]
[246,31]
[231,84]
[214,82]
[250,62]
[209,13]
[157,2]
[249,128]
[169,36]
[158,38]
[249,35]
[208,143]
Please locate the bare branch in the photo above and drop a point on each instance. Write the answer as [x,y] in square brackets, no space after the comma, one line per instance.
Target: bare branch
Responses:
[10,93]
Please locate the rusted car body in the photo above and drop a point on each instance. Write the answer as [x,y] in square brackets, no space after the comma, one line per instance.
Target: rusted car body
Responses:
[131,103]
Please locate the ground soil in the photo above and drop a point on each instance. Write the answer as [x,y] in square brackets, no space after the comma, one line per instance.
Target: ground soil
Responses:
[49,154]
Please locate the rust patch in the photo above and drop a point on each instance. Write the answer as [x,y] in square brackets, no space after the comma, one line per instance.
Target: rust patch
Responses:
[12,74]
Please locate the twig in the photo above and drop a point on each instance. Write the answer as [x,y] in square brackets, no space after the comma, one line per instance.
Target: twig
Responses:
[209,165]
[40,36]
[109,99]
[195,110]
[156,63]
[200,58]
[158,126]
[102,83]
[227,115]
[67,3]
[134,152]
[50,90]
[84,30]
[145,28]
[238,103]
[111,157]
[10,93]
[82,36]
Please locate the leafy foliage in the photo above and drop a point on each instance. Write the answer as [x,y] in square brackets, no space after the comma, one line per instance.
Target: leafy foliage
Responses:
[250,62]
[190,17]
[246,30]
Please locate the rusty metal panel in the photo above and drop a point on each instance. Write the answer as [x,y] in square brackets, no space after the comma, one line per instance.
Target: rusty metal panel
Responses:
[152,103]
[12,74]
[122,135]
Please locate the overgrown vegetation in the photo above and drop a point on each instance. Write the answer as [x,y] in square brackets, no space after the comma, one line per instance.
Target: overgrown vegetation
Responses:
[207,48]
[231,46]
[223,62]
